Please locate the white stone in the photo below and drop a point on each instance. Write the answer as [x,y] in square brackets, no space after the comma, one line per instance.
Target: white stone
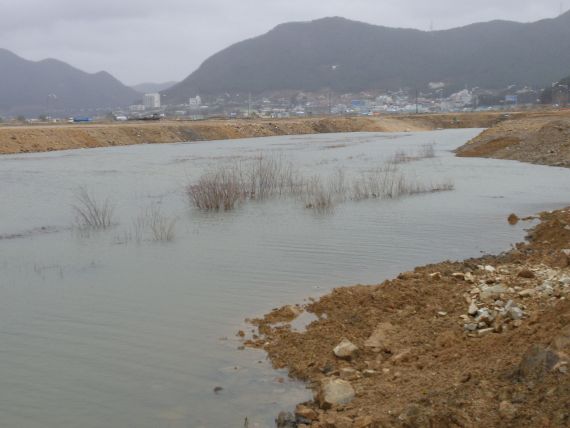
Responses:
[472,309]
[345,349]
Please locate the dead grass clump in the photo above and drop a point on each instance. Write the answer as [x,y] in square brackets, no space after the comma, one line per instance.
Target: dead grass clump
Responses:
[259,178]
[318,197]
[387,182]
[427,151]
[161,227]
[401,157]
[264,177]
[90,213]
[216,191]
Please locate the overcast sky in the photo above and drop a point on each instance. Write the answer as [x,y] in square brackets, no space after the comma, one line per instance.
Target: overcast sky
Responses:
[161,40]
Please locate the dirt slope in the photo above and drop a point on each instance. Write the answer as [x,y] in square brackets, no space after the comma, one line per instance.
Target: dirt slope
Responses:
[541,140]
[422,360]
[40,138]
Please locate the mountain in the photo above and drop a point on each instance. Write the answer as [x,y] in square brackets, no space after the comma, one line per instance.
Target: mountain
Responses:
[148,87]
[48,86]
[348,56]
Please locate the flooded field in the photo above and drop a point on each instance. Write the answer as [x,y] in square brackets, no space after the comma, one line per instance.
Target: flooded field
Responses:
[117,327]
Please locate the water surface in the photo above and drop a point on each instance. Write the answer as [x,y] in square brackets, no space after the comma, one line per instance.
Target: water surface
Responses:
[100,330]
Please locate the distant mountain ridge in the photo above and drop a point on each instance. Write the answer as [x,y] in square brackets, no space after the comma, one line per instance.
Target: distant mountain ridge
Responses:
[347,56]
[40,87]
[149,87]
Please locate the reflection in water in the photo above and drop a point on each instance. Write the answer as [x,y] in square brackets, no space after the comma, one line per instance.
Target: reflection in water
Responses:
[101,330]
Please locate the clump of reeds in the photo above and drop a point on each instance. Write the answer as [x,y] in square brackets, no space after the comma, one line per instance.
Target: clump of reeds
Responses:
[267,176]
[319,197]
[426,151]
[257,179]
[401,157]
[217,191]
[161,227]
[90,213]
[264,177]
[387,182]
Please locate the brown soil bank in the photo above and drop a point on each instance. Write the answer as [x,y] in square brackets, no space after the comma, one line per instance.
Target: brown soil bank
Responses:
[41,138]
[484,342]
[540,139]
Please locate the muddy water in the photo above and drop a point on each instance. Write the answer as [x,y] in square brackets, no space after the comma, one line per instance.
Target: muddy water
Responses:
[104,330]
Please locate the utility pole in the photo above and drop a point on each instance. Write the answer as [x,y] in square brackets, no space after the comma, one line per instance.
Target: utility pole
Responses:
[249,105]
[417,107]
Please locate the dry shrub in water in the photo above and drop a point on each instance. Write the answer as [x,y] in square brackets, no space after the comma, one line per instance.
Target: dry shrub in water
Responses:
[259,178]
[265,177]
[427,151]
[317,197]
[216,191]
[91,213]
[401,157]
[387,182]
[161,227]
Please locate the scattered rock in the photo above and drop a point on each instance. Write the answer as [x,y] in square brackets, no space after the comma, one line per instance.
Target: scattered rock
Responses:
[515,313]
[526,273]
[306,413]
[363,422]
[484,316]
[470,327]
[507,410]
[402,357]
[493,291]
[334,391]
[345,349]
[527,292]
[379,340]
[484,331]
[513,219]
[348,373]
[286,420]
[537,361]
[416,416]
[562,341]
[472,309]
[435,275]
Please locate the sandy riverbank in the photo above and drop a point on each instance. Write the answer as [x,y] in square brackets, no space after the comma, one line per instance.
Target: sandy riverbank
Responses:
[483,342]
[539,139]
[41,138]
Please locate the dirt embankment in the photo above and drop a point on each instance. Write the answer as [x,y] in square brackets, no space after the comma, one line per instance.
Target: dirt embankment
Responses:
[543,139]
[38,138]
[484,342]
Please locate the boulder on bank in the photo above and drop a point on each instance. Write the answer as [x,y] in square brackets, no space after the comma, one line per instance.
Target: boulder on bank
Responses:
[334,391]
[380,340]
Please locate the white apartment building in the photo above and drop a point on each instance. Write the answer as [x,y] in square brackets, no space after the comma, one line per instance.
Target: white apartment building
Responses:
[151,100]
